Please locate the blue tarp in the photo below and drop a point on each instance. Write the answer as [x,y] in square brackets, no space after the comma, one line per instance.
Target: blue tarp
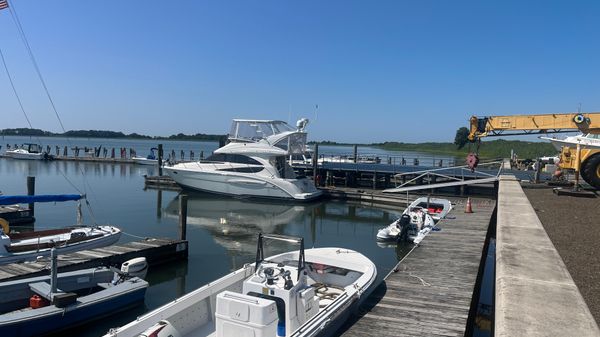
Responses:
[26,199]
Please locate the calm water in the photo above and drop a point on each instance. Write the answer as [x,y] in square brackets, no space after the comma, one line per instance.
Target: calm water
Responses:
[221,231]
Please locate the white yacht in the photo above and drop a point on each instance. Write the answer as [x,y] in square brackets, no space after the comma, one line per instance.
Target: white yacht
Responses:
[253,164]
[27,151]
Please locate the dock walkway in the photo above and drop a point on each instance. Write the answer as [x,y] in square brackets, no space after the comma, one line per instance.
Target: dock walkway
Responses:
[156,251]
[430,294]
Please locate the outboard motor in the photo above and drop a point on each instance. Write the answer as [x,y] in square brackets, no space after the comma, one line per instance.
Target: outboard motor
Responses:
[137,267]
[404,220]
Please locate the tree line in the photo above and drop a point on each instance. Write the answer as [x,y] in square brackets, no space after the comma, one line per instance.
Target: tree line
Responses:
[103,134]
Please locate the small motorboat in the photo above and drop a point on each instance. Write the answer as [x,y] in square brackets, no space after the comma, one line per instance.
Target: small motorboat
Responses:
[27,151]
[413,225]
[27,246]
[416,221]
[44,304]
[299,293]
[436,207]
[150,159]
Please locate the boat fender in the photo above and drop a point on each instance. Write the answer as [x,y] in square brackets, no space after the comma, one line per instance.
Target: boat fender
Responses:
[4,225]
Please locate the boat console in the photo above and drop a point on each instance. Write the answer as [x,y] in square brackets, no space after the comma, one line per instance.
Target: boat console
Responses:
[278,289]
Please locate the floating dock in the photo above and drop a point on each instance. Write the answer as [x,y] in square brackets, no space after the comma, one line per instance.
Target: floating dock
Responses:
[430,292]
[156,251]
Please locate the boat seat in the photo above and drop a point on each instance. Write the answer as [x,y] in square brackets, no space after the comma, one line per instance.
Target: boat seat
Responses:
[43,289]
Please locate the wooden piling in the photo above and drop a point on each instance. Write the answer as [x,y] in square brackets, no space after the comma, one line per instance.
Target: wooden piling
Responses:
[315,164]
[160,156]
[31,191]
[355,153]
[183,198]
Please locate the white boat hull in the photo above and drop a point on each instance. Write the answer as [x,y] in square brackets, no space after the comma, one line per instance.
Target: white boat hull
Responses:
[145,161]
[243,184]
[22,154]
[200,303]
[584,142]
[109,235]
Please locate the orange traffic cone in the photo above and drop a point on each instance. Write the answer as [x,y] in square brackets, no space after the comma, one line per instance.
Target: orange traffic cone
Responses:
[469,208]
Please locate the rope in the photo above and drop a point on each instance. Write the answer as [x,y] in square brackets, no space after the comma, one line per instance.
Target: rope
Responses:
[135,236]
[23,37]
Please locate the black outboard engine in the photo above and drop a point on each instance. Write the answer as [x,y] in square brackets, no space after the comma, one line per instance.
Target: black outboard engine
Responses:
[403,224]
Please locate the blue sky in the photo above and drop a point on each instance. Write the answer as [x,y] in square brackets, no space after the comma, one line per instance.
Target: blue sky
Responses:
[408,71]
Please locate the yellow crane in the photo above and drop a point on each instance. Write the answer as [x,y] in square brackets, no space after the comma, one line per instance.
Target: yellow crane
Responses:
[583,158]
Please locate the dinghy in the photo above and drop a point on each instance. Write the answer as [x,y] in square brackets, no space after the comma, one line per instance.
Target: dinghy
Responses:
[300,293]
[416,221]
[40,305]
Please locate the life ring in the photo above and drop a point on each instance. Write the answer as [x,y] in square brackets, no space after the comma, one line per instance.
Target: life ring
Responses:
[579,118]
[4,225]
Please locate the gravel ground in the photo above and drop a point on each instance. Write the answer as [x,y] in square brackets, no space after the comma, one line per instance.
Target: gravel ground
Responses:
[573,225]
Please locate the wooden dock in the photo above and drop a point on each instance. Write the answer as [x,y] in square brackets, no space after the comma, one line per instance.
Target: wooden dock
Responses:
[156,251]
[430,292]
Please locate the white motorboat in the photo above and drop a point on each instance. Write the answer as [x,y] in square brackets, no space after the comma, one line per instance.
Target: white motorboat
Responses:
[27,246]
[251,166]
[27,151]
[300,293]
[412,225]
[150,159]
[438,208]
[586,141]
[417,220]
[45,304]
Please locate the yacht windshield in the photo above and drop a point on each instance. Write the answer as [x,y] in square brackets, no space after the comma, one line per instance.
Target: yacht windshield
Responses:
[255,130]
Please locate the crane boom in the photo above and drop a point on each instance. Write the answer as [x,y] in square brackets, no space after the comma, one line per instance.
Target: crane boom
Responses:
[583,160]
[528,124]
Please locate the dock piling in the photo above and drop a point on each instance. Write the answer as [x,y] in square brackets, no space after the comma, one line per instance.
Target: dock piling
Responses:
[160,158]
[183,198]
[315,164]
[31,191]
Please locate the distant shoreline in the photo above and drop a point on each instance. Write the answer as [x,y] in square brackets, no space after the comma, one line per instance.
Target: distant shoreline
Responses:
[498,148]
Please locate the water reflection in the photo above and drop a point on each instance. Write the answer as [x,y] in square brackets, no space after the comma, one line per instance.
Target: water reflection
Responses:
[233,223]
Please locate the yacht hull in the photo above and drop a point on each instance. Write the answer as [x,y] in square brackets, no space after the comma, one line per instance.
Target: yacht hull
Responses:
[244,185]
[24,155]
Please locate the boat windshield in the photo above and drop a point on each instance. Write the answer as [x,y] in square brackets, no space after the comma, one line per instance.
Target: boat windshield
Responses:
[592,136]
[255,130]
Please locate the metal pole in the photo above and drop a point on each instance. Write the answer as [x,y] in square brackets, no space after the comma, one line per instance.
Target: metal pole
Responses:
[355,153]
[160,157]
[315,162]
[183,198]
[31,191]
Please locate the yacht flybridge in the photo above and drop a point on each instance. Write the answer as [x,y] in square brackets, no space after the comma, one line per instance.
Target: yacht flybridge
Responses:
[299,293]
[253,164]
